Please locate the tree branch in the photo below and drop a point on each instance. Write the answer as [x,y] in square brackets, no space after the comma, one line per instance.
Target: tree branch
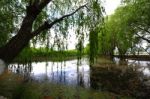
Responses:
[142,37]
[47,25]
[145,50]
[44,3]
[140,27]
[143,29]
[36,6]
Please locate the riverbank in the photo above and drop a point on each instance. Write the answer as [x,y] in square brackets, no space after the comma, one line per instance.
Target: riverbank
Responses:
[44,58]
[134,57]
[42,54]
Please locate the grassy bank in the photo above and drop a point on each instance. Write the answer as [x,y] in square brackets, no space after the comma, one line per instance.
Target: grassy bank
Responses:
[135,57]
[43,54]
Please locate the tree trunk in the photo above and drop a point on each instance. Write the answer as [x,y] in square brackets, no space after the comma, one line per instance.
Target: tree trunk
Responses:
[22,38]
[25,34]
[19,41]
[14,47]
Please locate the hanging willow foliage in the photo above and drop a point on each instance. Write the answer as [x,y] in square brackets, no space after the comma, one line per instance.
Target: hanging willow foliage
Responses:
[82,22]
[95,29]
[93,45]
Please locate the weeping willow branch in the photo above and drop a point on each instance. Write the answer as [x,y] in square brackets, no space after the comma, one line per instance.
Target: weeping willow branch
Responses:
[48,25]
[93,45]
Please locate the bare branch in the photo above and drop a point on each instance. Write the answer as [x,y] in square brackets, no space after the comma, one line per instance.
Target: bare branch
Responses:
[47,25]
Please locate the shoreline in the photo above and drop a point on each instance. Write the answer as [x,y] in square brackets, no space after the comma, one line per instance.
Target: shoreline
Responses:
[134,57]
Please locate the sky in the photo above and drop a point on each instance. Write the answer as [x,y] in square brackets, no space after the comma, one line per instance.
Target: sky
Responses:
[111,5]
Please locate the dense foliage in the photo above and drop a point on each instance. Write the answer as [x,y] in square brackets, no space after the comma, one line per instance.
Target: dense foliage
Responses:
[127,29]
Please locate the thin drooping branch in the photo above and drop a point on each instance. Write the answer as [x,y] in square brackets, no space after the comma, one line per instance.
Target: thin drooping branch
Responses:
[47,25]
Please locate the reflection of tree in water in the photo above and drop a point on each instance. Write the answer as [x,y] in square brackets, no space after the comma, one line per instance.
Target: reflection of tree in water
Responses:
[80,74]
[46,72]
[52,72]
[125,81]
[58,76]
[62,73]
[24,70]
[123,61]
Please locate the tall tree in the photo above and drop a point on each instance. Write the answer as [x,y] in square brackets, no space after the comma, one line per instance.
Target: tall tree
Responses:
[117,33]
[139,17]
[33,18]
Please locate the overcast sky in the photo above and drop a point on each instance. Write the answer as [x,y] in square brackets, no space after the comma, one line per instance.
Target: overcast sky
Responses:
[111,5]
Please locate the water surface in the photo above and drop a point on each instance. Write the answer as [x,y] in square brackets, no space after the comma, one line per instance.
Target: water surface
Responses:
[128,77]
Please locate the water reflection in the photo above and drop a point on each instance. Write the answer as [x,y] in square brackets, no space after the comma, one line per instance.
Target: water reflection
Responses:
[25,70]
[68,72]
[127,77]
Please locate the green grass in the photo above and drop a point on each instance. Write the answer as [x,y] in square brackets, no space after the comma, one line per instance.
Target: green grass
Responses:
[42,54]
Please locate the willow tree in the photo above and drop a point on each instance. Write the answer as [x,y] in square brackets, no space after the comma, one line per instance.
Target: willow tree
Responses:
[107,37]
[139,17]
[28,19]
[117,33]
[124,34]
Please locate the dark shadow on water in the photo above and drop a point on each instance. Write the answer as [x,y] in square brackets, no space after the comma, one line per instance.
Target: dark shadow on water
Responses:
[126,81]
[24,70]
